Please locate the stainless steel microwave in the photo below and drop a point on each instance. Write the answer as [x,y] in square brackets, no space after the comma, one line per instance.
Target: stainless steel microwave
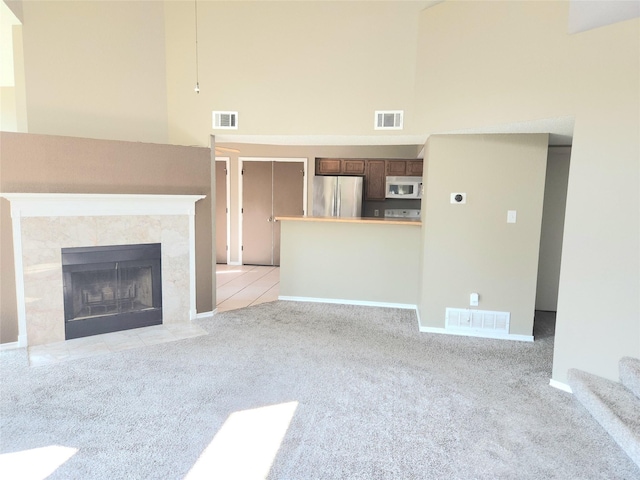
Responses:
[404,187]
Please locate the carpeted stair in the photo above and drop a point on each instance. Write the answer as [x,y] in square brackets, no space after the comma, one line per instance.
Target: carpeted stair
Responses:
[616,406]
[630,374]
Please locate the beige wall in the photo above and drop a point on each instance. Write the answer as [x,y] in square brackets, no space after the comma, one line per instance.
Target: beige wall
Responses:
[519,64]
[20,93]
[42,163]
[127,70]
[8,307]
[8,116]
[96,69]
[353,262]
[10,65]
[515,65]
[290,68]
[470,247]
[555,199]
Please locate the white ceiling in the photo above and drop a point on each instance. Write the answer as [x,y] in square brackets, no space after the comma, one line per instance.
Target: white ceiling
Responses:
[588,14]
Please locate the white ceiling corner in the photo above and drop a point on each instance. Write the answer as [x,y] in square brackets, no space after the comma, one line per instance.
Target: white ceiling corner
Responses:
[588,14]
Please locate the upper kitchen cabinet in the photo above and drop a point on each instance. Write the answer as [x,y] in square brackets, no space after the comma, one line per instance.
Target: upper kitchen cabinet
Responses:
[414,168]
[328,166]
[396,167]
[374,180]
[339,166]
[353,167]
[400,168]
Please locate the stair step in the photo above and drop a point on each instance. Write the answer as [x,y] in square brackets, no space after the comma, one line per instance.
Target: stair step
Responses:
[615,408]
[630,374]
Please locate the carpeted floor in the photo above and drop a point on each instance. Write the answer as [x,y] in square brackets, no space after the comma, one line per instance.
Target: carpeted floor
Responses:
[376,399]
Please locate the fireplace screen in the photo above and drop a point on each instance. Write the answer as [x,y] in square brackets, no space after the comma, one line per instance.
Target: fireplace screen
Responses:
[111,288]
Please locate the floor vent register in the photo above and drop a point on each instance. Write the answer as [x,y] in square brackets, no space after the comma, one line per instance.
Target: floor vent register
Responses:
[464,319]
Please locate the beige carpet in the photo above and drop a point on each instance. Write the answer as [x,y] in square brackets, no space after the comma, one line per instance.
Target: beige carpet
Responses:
[352,393]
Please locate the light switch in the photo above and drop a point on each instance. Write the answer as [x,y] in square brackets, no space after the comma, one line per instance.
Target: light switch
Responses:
[511,216]
[473,299]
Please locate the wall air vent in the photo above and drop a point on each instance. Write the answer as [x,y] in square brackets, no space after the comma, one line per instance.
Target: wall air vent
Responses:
[225,120]
[463,319]
[389,119]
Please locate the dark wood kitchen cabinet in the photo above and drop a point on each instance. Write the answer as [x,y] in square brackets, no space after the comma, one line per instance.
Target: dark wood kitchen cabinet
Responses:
[396,168]
[402,168]
[353,167]
[340,166]
[374,171]
[375,180]
[328,166]
[414,168]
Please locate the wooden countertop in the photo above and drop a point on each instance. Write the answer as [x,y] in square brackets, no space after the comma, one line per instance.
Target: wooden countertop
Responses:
[372,220]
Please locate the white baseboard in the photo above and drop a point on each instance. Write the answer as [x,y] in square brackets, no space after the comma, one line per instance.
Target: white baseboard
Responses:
[341,301]
[479,334]
[10,346]
[560,386]
[200,316]
[234,263]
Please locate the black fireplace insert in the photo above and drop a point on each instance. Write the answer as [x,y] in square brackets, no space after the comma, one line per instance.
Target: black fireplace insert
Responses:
[111,288]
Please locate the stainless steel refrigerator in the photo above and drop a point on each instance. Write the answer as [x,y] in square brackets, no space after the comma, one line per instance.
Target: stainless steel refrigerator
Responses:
[337,196]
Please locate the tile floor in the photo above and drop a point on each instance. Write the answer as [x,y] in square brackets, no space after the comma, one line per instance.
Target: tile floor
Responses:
[240,286]
[237,286]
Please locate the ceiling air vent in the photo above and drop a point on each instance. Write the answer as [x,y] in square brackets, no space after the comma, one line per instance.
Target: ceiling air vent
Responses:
[389,119]
[227,120]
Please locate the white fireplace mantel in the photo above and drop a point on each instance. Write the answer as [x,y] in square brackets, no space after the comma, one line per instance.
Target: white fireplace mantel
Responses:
[31,205]
[90,204]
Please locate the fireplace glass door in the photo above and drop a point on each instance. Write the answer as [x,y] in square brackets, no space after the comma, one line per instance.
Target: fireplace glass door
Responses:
[111,288]
[114,290]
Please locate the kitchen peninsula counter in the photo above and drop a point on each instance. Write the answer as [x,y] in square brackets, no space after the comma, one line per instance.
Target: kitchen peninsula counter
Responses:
[362,261]
[371,220]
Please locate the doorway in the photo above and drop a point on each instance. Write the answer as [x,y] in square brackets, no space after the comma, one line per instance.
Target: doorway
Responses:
[270,188]
[222,210]
[552,228]
[551,237]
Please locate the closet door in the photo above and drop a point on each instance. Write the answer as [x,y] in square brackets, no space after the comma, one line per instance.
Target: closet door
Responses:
[269,189]
[288,188]
[257,213]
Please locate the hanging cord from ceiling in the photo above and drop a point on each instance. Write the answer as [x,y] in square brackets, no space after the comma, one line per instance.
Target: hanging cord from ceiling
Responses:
[197,89]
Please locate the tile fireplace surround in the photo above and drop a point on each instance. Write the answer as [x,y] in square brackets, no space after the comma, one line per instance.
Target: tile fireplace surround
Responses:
[44,223]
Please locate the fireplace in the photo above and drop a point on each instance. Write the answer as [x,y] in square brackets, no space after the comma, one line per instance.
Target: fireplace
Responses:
[111,288]
[46,223]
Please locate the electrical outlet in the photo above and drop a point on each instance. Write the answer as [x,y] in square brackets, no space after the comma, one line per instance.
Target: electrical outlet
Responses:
[376,213]
[473,299]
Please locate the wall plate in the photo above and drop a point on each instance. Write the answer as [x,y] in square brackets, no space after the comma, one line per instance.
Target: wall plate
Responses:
[458,198]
